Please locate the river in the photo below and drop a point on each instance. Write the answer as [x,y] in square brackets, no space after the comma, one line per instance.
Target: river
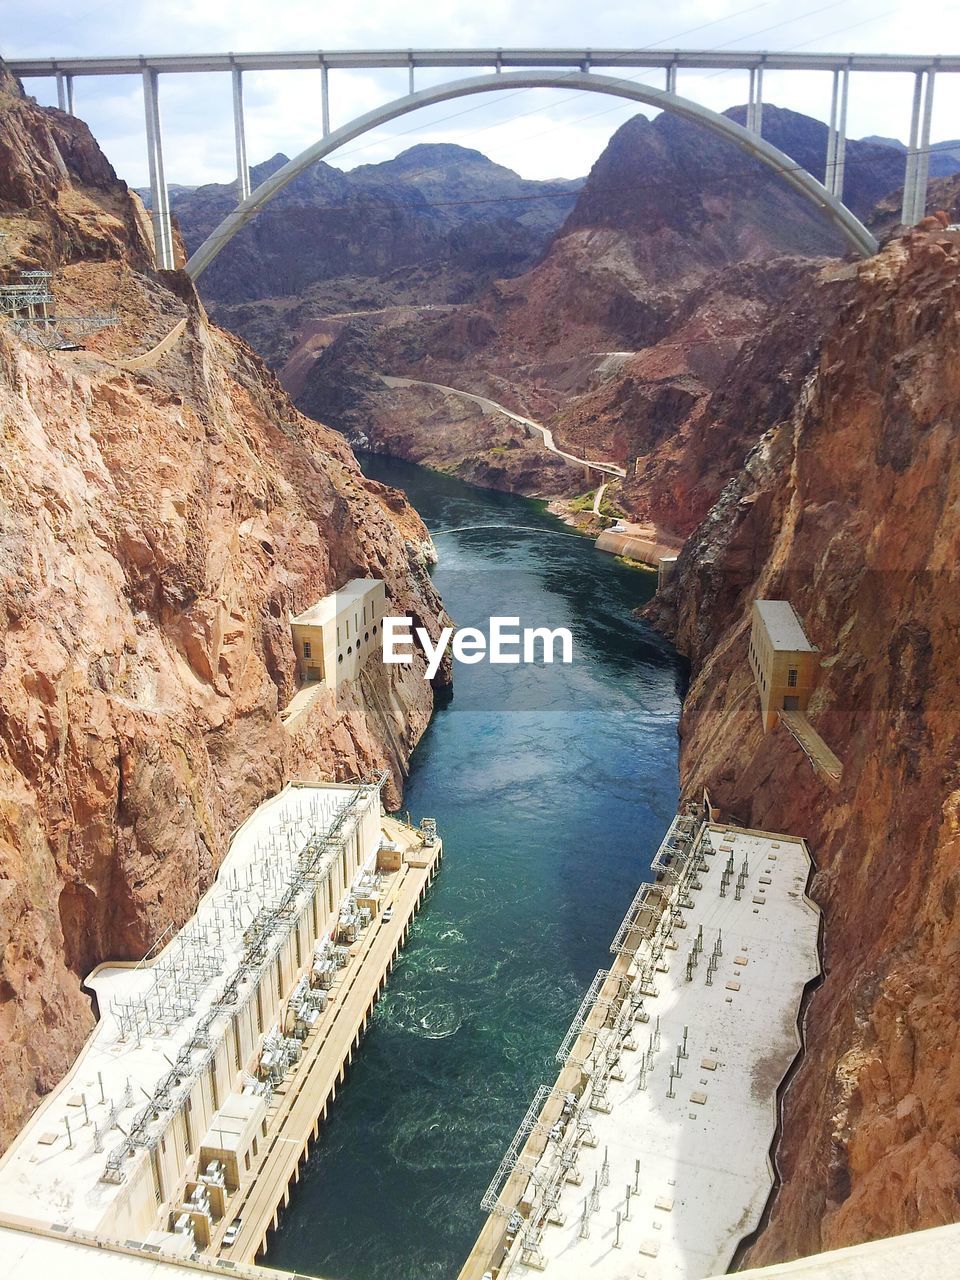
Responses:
[552,787]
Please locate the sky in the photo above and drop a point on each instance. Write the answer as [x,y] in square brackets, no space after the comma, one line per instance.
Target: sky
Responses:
[538,133]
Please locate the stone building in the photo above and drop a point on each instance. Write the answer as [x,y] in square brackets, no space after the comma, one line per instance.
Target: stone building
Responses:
[334,637]
[785,664]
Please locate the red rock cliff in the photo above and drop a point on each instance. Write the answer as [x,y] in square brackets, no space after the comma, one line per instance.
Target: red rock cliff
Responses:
[850,508]
[156,528]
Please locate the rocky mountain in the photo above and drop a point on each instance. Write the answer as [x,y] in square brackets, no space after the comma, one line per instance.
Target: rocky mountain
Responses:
[163,508]
[848,507]
[944,155]
[679,254]
[449,213]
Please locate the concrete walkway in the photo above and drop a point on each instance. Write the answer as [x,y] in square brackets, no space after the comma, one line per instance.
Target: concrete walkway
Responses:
[492,406]
[150,359]
[824,761]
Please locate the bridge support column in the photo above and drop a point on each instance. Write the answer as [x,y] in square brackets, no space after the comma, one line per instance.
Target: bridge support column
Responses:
[410,84]
[672,78]
[841,134]
[830,169]
[750,98]
[160,207]
[65,92]
[755,101]
[243,169]
[324,100]
[910,171]
[923,155]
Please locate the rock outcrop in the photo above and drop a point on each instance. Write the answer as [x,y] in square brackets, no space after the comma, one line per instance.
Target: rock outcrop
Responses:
[679,255]
[439,220]
[850,508]
[156,529]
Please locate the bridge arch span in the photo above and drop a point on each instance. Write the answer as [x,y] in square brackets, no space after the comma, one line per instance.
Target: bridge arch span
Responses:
[847,224]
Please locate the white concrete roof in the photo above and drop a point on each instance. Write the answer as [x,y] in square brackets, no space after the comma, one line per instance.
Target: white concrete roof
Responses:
[783,626]
[919,1255]
[42,1177]
[704,1172]
[335,603]
[27,1256]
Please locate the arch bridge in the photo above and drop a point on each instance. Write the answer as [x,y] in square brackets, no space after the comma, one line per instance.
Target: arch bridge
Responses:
[587,70]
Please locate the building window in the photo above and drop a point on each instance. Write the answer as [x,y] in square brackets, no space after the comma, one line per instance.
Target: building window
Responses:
[791,702]
[306,648]
[338,635]
[792,675]
[348,630]
[339,657]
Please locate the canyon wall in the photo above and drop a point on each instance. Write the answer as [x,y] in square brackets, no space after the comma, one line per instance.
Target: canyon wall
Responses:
[680,255]
[157,527]
[849,506]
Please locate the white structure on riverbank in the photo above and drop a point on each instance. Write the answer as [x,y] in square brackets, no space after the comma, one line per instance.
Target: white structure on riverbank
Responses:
[650,1155]
[157,1123]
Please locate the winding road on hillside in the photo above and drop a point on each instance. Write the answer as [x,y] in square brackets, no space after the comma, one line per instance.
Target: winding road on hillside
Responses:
[492,406]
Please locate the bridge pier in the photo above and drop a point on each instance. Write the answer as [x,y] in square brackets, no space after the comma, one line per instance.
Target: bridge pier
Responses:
[755,102]
[65,93]
[830,169]
[672,78]
[910,173]
[324,100]
[841,135]
[160,206]
[243,169]
[837,133]
[923,156]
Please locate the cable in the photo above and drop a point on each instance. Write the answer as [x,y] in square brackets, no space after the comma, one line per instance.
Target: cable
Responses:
[520,528]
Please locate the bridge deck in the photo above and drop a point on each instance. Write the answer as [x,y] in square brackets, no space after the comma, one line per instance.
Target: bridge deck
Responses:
[368,59]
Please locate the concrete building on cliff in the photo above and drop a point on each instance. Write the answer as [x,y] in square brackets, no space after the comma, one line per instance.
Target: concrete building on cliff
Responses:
[785,664]
[334,637]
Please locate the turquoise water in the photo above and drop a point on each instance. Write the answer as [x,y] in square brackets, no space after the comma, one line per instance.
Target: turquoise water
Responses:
[552,788]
